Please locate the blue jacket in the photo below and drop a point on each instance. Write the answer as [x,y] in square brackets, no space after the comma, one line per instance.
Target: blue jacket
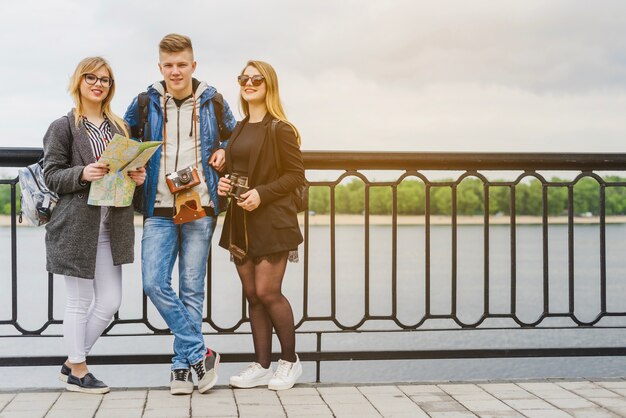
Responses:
[210,141]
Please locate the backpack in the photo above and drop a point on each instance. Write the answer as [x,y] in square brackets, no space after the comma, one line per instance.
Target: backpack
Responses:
[300,195]
[139,131]
[37,201]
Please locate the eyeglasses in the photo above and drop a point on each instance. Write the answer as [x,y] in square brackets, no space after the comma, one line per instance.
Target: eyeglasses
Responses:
[257,80]
[91,79]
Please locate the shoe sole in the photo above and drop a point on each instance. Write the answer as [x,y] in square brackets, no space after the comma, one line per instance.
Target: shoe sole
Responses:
[181,391]
[75,388]
[285,387]
[208,386]
[63,378]
[250,385]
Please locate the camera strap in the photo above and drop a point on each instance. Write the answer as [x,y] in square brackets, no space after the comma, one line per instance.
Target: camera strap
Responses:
[194,127]
[234,248]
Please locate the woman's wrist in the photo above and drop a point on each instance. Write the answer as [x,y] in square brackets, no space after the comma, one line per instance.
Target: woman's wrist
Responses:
[82,180]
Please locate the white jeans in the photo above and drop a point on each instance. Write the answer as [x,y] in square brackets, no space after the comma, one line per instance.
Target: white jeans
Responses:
[91,304]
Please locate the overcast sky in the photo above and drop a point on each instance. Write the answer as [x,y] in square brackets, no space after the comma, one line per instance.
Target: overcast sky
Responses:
[354,75]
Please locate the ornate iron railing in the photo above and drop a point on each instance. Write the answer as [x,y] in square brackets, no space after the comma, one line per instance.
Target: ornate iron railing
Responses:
[411,166]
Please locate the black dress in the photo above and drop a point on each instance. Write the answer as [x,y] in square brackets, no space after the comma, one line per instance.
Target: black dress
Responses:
[240,156]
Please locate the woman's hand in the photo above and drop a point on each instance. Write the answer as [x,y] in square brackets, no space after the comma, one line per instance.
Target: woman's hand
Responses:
[223,186]
[94,171]
[138,175]
[250,200]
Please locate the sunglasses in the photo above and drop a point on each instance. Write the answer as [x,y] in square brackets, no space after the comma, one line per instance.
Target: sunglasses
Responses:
[257,80]
[91,79]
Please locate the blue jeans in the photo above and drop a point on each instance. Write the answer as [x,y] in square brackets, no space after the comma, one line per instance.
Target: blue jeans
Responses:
[162,242]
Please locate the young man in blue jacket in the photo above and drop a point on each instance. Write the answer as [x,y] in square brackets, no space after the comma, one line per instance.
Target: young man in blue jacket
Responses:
[193,121]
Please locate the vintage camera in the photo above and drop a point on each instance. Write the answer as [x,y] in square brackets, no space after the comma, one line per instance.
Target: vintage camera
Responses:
[238,186]
[182,179]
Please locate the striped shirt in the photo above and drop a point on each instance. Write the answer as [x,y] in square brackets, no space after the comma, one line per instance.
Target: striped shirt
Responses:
[99,137]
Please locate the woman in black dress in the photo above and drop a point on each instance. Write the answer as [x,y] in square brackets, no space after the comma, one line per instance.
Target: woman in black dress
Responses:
[261,226]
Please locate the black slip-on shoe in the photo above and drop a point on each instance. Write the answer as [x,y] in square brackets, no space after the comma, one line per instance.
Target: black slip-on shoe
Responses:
[86,384]
[65,372]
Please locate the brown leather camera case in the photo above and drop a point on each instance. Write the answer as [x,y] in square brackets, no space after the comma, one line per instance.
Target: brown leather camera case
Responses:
[188,207]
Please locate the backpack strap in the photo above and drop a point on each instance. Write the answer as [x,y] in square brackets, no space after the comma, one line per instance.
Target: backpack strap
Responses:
[139,130]
[274,140]
[218,107]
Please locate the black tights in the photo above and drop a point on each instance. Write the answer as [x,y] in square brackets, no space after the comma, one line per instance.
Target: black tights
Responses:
[268,308]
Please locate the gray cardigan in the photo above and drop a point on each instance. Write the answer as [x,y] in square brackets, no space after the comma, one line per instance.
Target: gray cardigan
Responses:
[72,233]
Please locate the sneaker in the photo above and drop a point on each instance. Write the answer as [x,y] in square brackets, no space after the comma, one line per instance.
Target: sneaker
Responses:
[286,375]
[65,372]
[181,382]
[206,369]
[86,384]
[252,376]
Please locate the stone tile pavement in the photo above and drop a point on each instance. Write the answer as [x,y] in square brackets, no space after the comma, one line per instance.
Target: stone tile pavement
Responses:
[533,399]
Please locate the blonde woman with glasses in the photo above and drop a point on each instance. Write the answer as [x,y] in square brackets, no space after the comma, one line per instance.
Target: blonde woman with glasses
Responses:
[85,244]
[261,226]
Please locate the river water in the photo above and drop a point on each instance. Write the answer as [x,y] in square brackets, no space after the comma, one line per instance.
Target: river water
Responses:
[350,266]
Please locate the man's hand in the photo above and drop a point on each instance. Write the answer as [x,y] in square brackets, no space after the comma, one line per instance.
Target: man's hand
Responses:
[218,160]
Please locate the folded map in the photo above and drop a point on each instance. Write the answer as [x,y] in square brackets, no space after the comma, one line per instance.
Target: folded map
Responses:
[122,155]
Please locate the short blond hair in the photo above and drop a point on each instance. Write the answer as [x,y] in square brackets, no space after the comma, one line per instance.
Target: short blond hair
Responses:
[175,42]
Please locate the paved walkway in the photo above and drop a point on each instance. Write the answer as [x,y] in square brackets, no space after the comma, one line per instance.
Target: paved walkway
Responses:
[541,399]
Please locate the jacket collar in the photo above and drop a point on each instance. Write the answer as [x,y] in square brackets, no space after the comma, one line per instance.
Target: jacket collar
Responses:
[231,141]
[267,119]
[80,138]
[201,89]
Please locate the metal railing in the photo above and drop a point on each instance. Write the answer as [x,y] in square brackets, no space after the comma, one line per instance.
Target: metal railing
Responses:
[411,166]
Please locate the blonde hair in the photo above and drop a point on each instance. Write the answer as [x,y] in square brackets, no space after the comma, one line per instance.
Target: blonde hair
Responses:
[174,42]
[272,96]
[87,66]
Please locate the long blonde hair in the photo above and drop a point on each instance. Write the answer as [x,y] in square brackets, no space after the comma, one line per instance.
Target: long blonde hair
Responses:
[272,96]
[86,66]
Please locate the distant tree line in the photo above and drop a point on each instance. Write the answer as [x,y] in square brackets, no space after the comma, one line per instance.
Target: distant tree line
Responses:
[350,198]
[5,199]
[411,198]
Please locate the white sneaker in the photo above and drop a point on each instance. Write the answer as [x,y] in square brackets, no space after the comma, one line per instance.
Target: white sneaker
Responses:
[252,376]
[286,375]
